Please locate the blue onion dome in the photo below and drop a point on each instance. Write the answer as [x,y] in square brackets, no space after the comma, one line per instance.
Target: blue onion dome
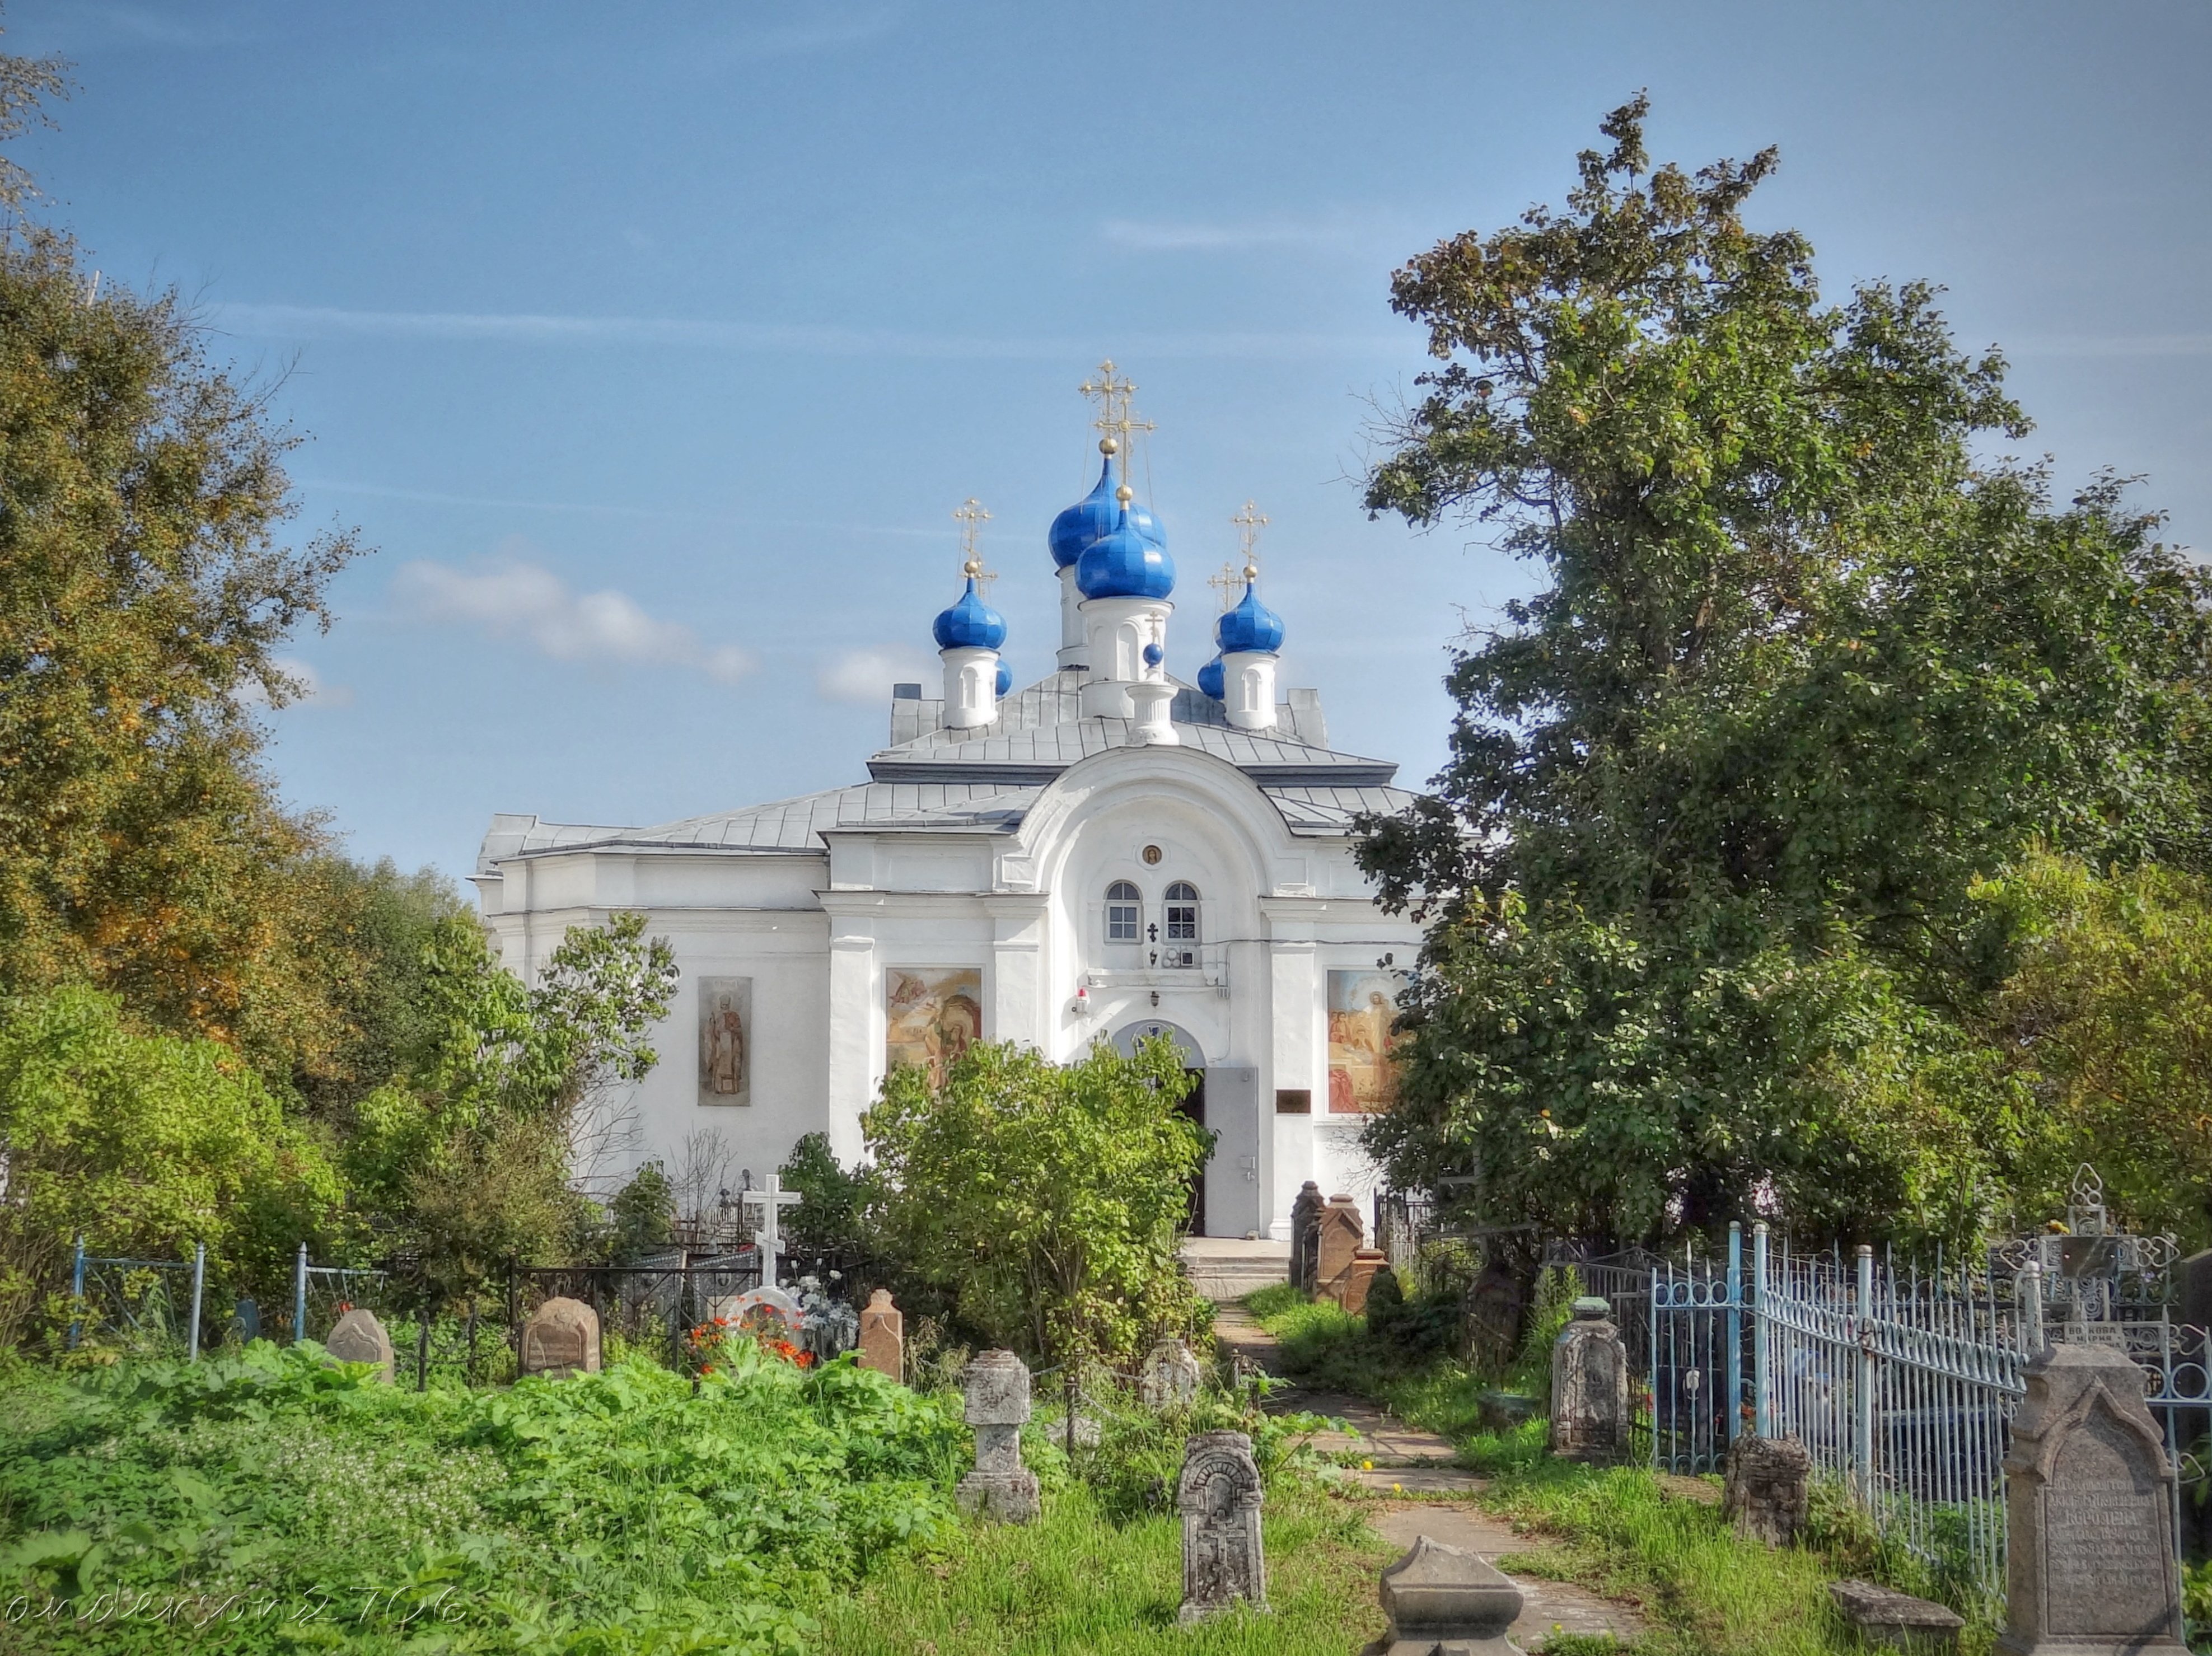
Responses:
[970,624]
[1006,679]
[1095,517]
[1251,625]
[1125,565]
[1209,680]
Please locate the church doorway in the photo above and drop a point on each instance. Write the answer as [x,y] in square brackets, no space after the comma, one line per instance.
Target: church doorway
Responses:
[1194,1103]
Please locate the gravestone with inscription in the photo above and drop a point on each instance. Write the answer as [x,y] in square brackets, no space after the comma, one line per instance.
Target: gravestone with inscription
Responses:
[1768,1489]
[560,1338]
[2089,1560]
[1589,1386]
[1219,1495]
[1170,1378]
[1340,1238]
[1305,1236]
[882,1336]
[359,1338]
[996,1385]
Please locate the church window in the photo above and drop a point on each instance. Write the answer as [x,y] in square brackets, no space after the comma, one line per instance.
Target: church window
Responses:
[1122,901]
[1183,912]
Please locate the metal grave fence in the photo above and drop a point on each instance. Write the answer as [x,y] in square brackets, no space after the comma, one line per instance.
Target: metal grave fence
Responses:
[147,1304]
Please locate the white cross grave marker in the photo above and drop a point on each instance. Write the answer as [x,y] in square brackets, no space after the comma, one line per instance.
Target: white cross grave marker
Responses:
[768,1198]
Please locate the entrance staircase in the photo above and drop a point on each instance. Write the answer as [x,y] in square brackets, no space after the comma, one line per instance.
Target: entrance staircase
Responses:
[1225,1268]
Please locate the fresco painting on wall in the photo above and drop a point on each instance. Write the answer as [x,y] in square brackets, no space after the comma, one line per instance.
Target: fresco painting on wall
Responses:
[931,1015]
[1362,1078]
[726,1029]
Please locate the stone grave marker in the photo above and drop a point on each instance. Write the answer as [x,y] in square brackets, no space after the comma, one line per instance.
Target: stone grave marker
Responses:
[1305,1236]
[735,1306]
[1170,1378]
[882,1336]
[1768,1489]
[997,1388]
[1219,1495]
[2089,1562]
[560,1338]
[359,1338]
[1438,1597]
[1339,1235]
[1589,1386]
[1884,1617]
[1352,1290]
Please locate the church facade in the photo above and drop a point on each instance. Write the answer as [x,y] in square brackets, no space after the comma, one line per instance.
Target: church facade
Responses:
[1106,854]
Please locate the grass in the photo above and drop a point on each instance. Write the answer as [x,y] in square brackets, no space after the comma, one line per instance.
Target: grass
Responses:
[1076,1581]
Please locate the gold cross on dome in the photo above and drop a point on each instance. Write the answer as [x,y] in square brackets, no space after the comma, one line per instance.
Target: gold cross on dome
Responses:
[1115,421]
[1228,583]
[971,517]
[1248,524]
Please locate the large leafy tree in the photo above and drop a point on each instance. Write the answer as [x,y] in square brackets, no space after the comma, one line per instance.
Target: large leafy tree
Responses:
[1803,663]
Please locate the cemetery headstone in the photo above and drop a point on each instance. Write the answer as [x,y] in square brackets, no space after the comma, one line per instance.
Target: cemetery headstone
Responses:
[882,1336]
[1440,1599]
[560,1338]
[1884,1617]
[1359,1278]
[1219,1495]
[1305,1236]
[247,1316]
[997,1388]
[737,1307]
[1170,1378]
[359,1338]
[1589,1386]
[1340,1232]
[2089,1560]
[1768,1489]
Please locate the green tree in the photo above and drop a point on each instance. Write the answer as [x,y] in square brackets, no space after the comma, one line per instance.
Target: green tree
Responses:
[641,1215]
[144,1144]
[2108,1020]
[1047,1200]
[1802,669]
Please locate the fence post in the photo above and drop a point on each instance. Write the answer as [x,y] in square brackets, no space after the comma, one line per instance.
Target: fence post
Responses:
[77,1294]
[1651,1310]
[2027,1297]
[300,1297]
[199,1284]
[1863,1385]
[1736,1330]
[423,1347]
[1762,1401]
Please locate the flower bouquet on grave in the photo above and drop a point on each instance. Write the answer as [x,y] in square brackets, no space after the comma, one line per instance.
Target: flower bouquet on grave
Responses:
[733,1346]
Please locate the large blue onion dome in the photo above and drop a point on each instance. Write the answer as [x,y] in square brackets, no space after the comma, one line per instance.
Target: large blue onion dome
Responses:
[970,624]
[1095,517]
[1251,625]
[1006,678]
[1125,565]
[1209,680]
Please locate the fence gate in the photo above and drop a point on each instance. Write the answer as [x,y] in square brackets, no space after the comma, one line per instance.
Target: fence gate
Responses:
[1696,1342]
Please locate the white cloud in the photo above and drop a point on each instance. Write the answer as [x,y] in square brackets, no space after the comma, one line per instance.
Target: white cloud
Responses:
[867,676]
[308,689]
[513,598]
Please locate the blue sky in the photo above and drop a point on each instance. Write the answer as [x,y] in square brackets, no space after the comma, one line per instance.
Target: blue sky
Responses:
[674,332]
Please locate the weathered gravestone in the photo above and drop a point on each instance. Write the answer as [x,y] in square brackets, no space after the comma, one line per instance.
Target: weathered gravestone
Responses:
[997,1387]
[1305,1237]
[359,1338]
[1219,1495]
[1440,1599]
[738,1306]
[1589,1386]
[2089,1565]
[560,1338]
[882,1336]
[1768,1489]
[1170,1378]
[1884,1617]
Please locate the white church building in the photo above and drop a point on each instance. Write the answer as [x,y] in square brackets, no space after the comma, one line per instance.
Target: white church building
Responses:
[1108,853]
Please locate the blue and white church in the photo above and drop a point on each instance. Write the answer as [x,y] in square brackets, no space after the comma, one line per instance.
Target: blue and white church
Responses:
[1105,854]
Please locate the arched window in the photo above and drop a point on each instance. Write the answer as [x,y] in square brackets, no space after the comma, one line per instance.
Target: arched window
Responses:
[1183,912]
[1122,901]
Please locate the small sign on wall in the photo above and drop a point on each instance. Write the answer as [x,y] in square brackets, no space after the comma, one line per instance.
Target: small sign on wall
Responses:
[725,1048]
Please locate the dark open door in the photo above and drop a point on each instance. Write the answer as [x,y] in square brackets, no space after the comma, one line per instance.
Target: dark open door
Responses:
[1194,1106]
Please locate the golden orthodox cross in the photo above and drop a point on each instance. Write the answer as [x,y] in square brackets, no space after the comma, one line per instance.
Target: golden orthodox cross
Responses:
[1228,583]
[1248,524]
[971,517]
[1115,421]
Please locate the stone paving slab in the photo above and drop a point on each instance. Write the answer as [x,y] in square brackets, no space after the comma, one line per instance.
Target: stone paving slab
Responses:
[1548,1606]
[1420,1480]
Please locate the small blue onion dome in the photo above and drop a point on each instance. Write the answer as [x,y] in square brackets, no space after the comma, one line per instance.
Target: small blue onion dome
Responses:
[1095,517]
[1250,625]
[970,624]
[1154,655]
[1125,565]
[1006,679]
[1209,680]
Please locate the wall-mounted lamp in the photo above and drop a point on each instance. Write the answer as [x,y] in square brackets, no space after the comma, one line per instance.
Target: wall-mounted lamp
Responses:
[1081,1005]
[1156,998]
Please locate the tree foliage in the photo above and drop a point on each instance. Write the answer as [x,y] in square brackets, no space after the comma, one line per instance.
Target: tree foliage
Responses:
[1802,669]
[1047,1199]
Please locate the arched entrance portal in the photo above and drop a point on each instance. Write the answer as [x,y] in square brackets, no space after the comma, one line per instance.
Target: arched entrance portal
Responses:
[1194,1103]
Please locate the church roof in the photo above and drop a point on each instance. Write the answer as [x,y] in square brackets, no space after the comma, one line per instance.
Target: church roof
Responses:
[984,781]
